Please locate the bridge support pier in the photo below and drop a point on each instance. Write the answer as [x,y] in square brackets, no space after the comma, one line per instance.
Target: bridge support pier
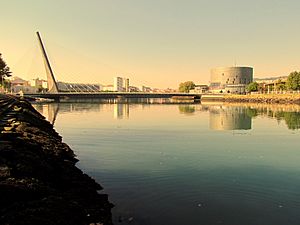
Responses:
[57,100]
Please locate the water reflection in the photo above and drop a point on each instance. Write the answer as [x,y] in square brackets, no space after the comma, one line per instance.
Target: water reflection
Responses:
[49,111]
[221,116]
[163,163]
[229,118]
[232,116]
[121,111]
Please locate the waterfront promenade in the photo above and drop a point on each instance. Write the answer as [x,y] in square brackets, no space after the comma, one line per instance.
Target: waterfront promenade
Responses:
[110,95]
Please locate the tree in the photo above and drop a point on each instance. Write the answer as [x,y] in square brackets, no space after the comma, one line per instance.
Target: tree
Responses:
[293,81]
[186,86]
[281,87]
[253,86]
[4,70]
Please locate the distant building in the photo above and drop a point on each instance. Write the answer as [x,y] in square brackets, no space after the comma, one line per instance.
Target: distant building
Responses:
[38,83]
[133,89]
[169,90]
[201,88]
[145,89]
[108,87]
[121,84]
[126,84]
[230,79]
[19,81]
[78,87]
[20,85]
[118,84]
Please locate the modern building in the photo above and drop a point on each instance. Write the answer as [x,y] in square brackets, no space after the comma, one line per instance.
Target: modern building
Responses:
[230,79]
[78,87]
[126,84]
[121,84]
[118,84]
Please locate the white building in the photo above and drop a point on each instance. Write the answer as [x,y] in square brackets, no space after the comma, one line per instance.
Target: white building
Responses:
[38,83]
[126,84]
[121,84]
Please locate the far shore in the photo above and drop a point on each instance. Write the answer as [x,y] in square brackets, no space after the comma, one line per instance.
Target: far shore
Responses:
[286,98]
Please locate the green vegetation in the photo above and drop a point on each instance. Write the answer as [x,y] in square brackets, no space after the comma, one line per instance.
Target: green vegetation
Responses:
[281,87]
[292,119]
[187,109]
[293,81]
[4,71]
[251,112]
[253,86]
[186,86]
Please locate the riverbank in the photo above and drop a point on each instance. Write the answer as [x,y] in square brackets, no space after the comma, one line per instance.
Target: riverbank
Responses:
[39,182]
[264,98]
[255,98]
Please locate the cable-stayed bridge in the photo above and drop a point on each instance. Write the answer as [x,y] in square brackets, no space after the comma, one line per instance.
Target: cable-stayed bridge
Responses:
[61,90]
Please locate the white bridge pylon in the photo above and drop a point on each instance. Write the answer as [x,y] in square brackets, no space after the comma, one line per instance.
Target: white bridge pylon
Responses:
[59,87]
[52,85]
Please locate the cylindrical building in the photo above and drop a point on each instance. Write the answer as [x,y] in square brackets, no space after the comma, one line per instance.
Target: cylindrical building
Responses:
[230,79]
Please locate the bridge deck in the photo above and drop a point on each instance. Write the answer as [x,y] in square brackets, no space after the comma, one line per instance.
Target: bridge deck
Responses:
[99,95]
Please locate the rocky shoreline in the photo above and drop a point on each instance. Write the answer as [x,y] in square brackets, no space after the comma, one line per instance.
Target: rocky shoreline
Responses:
[264,98]
[254,98]
[39,182]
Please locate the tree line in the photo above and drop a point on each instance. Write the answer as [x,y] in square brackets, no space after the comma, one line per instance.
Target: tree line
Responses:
[4,72]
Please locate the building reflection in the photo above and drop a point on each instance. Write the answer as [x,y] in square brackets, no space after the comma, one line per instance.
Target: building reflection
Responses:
[229,118]
[222,117]
[238,116]
[49,111]
[121,111]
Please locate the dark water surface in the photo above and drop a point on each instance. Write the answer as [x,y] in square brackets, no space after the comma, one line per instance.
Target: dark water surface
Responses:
[189,164]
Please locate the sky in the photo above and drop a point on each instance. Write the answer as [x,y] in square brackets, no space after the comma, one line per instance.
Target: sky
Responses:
[157,43]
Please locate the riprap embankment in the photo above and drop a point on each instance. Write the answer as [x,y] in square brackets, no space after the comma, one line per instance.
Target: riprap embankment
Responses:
[39,182]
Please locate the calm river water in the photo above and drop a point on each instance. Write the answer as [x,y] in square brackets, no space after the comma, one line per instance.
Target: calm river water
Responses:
[188,164]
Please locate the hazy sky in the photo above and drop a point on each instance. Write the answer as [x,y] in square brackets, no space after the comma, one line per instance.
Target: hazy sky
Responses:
[158,43]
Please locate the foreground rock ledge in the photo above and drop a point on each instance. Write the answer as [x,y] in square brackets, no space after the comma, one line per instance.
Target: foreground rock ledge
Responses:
[39,182]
